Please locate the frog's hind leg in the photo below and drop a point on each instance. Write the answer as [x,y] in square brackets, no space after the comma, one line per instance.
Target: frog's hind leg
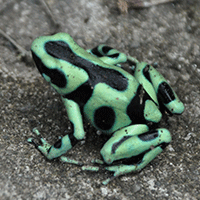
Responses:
[108,55]
[135,146]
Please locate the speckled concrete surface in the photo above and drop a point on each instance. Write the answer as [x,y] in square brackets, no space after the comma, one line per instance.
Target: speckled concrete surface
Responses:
[168,34]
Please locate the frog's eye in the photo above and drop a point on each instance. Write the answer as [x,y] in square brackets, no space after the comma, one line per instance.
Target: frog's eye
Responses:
[58,49]
[56,76]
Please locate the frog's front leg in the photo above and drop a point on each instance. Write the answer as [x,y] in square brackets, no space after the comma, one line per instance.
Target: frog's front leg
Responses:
[135,146]
[67,142]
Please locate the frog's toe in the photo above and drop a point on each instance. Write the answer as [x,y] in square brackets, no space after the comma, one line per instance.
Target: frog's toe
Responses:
[112,168]
[43,147]
[115,169]
[32,141]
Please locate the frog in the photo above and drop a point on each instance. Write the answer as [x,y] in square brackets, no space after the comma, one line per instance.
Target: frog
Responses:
[95,87]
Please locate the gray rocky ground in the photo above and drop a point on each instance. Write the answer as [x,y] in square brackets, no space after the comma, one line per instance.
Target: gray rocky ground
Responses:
[168,34]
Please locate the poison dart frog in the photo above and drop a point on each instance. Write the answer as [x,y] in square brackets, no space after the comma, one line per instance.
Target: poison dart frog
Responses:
[94,87]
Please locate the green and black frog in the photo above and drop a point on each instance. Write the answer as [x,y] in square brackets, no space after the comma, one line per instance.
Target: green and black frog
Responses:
[93,86]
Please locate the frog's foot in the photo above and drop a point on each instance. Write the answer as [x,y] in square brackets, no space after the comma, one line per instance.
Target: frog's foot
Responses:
[118,171]
[52,151]
[97,169]
[44,148]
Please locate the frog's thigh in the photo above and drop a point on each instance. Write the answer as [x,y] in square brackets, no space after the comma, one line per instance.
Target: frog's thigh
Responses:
[136,145]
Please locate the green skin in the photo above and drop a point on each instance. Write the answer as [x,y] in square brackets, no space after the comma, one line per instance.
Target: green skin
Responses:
[107,103]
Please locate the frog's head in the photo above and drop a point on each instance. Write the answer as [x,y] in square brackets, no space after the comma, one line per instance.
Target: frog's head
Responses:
[55,58]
